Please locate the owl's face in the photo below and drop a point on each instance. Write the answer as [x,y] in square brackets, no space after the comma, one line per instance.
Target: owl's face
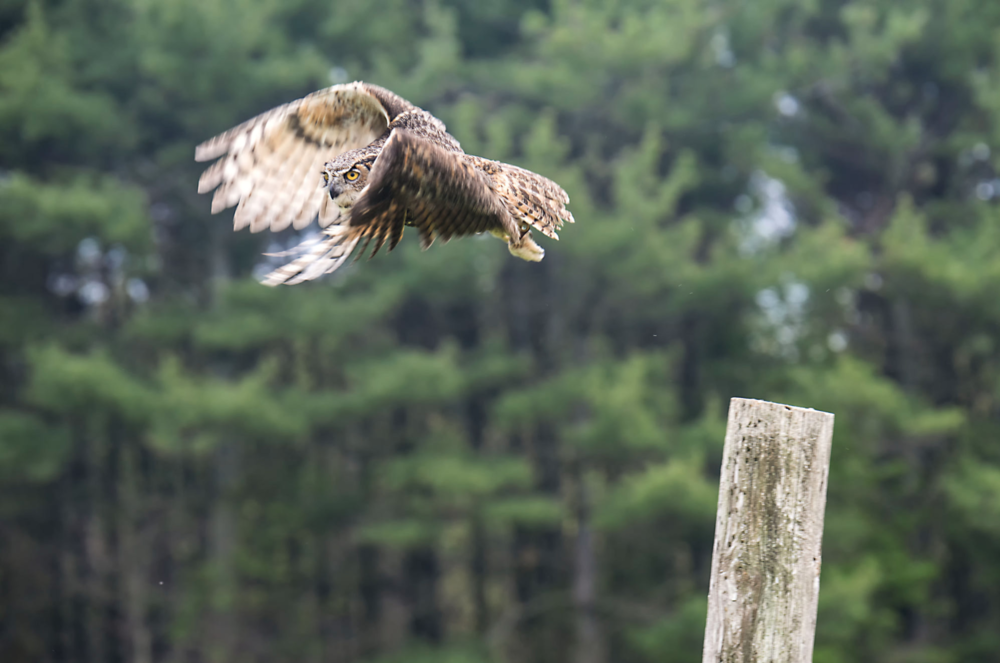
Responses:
[345,179]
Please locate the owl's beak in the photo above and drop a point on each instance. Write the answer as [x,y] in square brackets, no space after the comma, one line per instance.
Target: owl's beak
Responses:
[335,190]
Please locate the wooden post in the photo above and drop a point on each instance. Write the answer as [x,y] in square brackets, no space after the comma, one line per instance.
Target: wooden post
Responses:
[768,532]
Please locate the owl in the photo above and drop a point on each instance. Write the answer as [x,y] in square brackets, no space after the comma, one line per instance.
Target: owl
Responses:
[365,163]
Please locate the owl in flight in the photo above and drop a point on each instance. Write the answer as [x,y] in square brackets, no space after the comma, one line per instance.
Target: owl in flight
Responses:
[366,163]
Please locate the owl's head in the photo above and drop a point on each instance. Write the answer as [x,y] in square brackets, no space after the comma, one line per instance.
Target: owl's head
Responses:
[346,177]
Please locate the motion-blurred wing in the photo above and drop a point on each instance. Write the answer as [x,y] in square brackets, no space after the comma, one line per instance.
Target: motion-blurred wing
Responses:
[271,164]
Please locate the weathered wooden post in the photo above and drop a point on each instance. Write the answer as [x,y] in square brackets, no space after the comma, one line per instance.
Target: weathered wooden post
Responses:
[768,532]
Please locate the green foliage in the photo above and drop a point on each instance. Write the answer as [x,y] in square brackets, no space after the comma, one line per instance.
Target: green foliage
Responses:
[419,654]
[456,478]
[678,637]
[30,450]
[400,534]
[524,511]
[85,386]
[674,490]
[973,491]
[40,104]
[54,218]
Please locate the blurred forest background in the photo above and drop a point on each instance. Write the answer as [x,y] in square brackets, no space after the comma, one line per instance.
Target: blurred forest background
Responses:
[457,456]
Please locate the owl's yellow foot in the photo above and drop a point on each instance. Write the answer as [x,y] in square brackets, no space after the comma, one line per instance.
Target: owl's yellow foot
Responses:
[526,249]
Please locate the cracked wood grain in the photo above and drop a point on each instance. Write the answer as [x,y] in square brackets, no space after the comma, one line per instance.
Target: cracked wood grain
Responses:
[768,533]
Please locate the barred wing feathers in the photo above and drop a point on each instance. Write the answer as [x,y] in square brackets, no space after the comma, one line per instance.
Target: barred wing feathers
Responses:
[442,193]
[528,197]
[271,164]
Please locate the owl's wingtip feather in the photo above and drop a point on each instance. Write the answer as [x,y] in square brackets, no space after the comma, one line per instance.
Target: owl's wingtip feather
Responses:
[210,149]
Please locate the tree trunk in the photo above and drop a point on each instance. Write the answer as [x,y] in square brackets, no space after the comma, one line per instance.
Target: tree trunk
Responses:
[589,638]
[421,572]
[133,559]
[222,551]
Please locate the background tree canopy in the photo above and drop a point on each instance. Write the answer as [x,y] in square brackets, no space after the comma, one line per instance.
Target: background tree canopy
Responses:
[455,456]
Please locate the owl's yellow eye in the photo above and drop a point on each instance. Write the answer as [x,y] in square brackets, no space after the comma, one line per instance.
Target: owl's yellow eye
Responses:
[326,177]
[351,175]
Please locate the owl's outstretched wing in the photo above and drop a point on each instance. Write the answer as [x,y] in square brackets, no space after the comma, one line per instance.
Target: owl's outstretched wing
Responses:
[271,164]
[413,182]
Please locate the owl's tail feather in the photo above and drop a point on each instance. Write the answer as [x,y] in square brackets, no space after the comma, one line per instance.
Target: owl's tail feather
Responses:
[321,257]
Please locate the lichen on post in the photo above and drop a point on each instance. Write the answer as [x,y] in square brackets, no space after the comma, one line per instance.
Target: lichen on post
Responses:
[768,533]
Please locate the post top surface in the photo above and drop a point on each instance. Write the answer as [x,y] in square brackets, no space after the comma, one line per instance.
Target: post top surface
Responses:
[753,402]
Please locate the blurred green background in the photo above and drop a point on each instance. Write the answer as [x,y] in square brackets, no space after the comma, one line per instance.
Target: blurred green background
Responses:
[457,456]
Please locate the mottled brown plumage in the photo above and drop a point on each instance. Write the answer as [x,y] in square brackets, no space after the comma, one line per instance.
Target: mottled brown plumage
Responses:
[366,163]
